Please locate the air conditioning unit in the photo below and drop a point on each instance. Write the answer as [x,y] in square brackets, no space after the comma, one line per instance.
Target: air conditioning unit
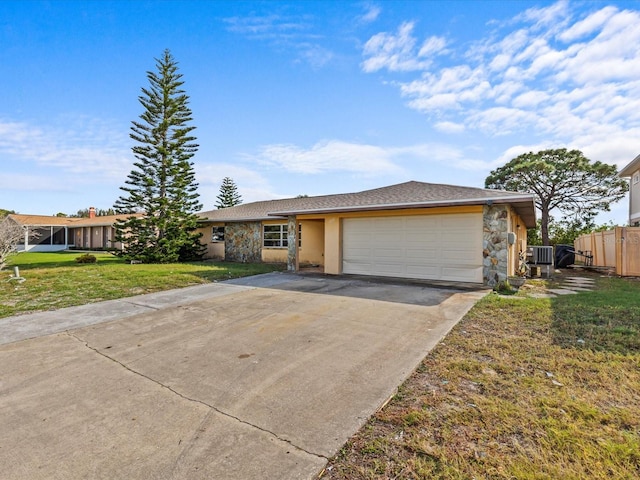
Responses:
[541,255]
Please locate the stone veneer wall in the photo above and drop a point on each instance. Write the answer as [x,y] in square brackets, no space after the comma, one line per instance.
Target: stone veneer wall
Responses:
[292,242]
[495,249]
[243,242]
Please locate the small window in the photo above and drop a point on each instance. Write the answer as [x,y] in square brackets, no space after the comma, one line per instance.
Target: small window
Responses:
[636,177]
[217,234]
[275,236]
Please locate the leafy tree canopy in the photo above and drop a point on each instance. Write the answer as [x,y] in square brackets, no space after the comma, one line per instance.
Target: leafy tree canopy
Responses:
[161,187]
[561,179]
[228,196]
[100,212]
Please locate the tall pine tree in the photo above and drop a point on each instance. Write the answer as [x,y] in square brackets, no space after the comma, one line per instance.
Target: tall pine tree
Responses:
[228,196]
[160,192]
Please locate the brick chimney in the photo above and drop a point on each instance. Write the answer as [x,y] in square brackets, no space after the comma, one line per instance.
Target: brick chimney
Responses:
[92,212]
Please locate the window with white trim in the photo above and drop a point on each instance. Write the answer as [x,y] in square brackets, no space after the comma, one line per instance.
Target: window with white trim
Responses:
[636,177]
[276,236]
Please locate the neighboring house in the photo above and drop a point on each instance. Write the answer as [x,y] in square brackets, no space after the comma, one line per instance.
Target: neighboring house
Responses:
[50,234]
[411,230]
[632,171]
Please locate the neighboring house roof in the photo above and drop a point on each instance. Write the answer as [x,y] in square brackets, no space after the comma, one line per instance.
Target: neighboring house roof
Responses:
[401,196]
[631,168]
[73,222]
[39,220]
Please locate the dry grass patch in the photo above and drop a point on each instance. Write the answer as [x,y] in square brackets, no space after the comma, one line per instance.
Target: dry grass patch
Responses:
[522,388]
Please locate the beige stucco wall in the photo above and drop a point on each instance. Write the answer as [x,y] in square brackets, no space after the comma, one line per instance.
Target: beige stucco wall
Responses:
[516,225]
[312,249]
[215,250]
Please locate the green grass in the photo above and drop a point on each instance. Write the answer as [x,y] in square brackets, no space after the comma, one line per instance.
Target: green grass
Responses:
[522,388]
[56,280]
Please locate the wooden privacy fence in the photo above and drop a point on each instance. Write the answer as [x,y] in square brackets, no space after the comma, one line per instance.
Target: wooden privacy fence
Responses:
[618,248]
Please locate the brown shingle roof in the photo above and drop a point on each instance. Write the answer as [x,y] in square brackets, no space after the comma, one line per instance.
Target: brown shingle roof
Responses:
[404,195]
[40,220]
[46,221]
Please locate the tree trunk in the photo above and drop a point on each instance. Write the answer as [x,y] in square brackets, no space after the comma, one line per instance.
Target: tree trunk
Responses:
[544,225]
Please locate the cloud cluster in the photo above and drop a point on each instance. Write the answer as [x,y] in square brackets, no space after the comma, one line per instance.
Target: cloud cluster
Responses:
[284,32]
[79,148]
[363,160]
[559,75]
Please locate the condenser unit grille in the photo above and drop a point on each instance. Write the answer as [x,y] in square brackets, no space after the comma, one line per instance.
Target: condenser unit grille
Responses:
[542,255]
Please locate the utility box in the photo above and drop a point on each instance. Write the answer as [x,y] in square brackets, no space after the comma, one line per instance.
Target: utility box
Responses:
[540,257]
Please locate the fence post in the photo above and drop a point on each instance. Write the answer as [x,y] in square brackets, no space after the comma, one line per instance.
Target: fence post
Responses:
[619,251]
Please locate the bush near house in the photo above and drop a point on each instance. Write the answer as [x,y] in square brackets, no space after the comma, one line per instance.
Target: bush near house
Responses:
[86,258]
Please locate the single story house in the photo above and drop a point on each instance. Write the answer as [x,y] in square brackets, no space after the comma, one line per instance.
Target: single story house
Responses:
[410,230]
[49,234]
[632,171]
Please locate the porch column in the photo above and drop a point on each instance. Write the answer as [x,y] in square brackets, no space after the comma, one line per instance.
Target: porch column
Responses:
[292,241]
[495,267]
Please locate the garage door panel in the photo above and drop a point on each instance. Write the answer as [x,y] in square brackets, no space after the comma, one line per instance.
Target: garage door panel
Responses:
[357,268]
[439,247]
[463,274]
[426,272]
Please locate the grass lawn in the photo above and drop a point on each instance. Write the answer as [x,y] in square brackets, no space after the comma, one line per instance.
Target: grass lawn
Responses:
[56,280]
[522,388]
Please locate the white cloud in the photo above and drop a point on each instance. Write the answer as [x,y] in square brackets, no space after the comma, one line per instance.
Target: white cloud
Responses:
[368,161]
[565,73]
[314,54]
[265,26]
[287,33]
[587,26]
[371,14]
[24,182]
[449,127]
[555,16]
[80,145]
[330,156]
[397,52]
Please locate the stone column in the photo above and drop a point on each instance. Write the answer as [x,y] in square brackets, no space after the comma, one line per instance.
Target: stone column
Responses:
[495,248]
[292,241]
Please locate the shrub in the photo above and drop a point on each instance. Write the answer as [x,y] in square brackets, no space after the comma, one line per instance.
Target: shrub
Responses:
[86,258]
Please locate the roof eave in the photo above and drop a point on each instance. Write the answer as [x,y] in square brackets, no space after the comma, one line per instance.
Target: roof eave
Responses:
[631,168]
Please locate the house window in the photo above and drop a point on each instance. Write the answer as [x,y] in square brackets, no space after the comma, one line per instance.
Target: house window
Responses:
[275,236]
[217,234]
[636,177]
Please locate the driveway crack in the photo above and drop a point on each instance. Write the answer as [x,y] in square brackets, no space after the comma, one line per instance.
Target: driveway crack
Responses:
[195,400]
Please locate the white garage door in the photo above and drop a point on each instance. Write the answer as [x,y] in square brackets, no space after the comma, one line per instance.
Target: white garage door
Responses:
[434,247]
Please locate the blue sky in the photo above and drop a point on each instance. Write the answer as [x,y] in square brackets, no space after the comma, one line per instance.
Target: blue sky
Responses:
[313,97]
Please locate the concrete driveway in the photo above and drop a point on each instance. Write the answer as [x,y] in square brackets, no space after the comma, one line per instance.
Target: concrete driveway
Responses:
[252,379]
